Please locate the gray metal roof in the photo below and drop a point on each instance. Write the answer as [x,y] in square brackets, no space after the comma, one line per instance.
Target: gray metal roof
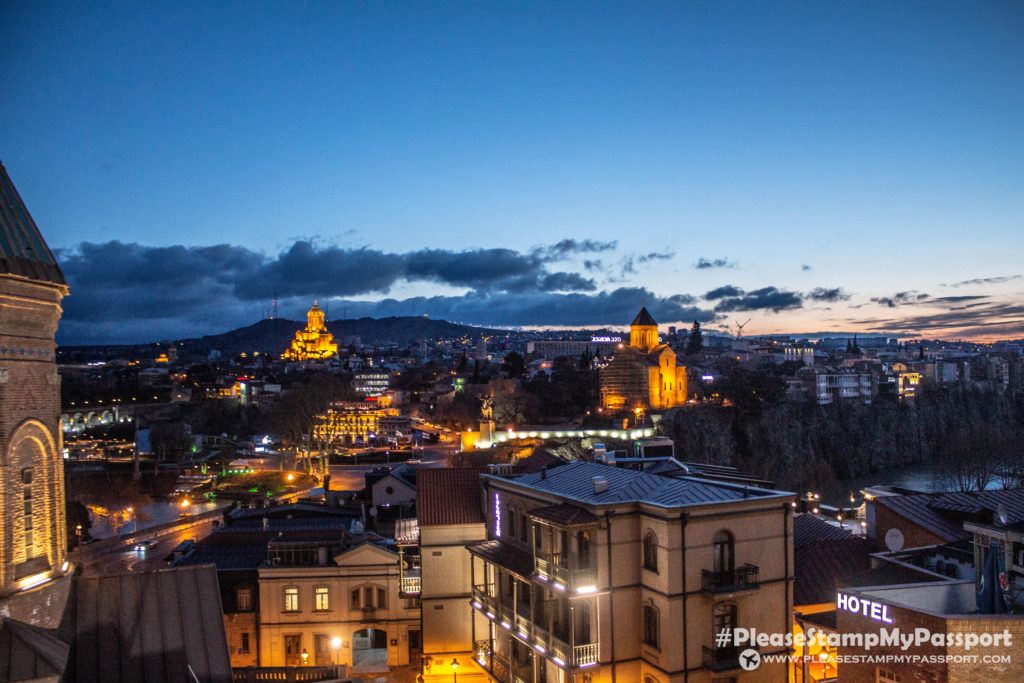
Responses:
[23,250]
[575,481]
[29,653]
[147,626]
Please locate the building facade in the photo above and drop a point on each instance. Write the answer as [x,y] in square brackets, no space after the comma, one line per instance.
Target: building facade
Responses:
[318,608]
[348,423]
[33,535]
[643,375]
[598,573]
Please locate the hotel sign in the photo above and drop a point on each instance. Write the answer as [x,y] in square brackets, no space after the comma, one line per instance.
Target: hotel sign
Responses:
[868,608]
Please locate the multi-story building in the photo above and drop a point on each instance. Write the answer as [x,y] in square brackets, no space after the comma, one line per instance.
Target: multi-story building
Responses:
[372,382]
[346,423]
[827,387]
[341,603]
[597,573]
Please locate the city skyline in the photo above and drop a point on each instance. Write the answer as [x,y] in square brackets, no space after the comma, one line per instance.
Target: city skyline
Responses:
[810,168]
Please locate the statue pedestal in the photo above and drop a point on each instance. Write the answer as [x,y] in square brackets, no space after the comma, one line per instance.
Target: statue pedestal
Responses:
[486,431]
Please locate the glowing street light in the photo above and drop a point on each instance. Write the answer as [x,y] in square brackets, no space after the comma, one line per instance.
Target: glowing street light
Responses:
[336,645]
[455,670]
[305,657]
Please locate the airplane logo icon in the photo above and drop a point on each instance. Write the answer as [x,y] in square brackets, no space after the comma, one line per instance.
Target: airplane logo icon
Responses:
[750,659]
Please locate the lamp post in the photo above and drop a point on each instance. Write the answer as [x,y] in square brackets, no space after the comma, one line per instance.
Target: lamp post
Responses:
[78,535]
[455,670]
[336,645]
[305,657]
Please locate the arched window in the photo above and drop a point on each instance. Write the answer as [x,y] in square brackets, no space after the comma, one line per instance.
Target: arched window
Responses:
[651,634]
[724,619]
[724,558]
[651,551]
[582,549]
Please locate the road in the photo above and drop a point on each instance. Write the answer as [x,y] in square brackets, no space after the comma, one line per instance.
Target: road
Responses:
[351,477]
[116,556]
[110,556]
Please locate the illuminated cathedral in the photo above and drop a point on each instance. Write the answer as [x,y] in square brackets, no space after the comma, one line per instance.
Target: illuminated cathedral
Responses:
[314,342]
[643,375]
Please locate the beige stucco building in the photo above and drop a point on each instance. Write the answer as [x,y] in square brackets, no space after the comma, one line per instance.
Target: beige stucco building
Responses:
[336,606]
[597,573]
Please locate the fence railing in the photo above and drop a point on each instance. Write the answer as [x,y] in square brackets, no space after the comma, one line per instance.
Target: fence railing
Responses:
[288,674]
[742,579]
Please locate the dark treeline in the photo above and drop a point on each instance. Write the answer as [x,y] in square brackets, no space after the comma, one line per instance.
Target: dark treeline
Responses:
[972,436]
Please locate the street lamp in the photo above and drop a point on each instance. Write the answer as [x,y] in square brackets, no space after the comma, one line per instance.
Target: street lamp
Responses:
[305,657]
[336,645]
[455,670]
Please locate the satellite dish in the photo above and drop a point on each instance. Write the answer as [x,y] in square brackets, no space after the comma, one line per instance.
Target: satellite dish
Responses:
[1001,512]
[373,511]
[894,539]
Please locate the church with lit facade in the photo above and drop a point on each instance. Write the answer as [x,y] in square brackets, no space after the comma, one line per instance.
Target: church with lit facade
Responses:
[314,342]
[643,374]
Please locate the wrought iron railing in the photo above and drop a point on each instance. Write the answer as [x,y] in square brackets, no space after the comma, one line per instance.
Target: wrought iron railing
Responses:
[742,579]
[721,658]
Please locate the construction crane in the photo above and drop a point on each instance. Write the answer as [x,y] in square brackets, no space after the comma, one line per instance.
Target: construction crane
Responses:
[739,328]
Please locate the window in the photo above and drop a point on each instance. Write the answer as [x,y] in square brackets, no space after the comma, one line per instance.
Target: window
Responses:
[651,626]
[321,598]
[291,599]
[243,599]
[26,480]
[886,676]
[723,552]
[724,619]
[513,528]
[583,549]
[651,551]
[524,527]
[244,649]
[412,603]
[369,597]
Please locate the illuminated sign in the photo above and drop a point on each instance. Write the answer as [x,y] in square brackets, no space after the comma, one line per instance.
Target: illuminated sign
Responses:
[497,515]
[868,608]
[605,340]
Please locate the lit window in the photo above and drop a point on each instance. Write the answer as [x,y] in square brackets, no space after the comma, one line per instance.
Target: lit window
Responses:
[26,480]
[243,599]
[291,599]
[321,598]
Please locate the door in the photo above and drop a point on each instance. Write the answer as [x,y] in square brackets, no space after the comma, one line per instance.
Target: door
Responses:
[369,650]
[293,650]
[322,650]
[415,647]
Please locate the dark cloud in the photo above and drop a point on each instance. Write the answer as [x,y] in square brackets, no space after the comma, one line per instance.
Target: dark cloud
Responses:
[990,315]
[657,256]
[901,298]
[766,298]
[723,291]
[829,294]
[129,292]
[570,247]
[986,280]
[704,263]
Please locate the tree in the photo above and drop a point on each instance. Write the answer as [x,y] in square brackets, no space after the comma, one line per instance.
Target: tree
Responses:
[696,341]
[514,365]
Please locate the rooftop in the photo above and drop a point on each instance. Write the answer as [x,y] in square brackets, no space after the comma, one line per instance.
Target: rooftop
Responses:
[575,481]
[23,251]
[449,495]
[643,318]
[944,514]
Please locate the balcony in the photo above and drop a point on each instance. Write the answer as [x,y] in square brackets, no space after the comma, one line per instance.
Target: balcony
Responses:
[532,634]
[496,664]
[720,659]
[410,583]
[547,567]
[368,614]
[743,579]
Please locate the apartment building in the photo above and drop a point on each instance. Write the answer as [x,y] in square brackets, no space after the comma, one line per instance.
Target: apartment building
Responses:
[594,573]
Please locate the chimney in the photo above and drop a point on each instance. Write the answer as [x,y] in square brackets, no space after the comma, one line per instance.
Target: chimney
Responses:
[266,523]
[600,484]
[321,556]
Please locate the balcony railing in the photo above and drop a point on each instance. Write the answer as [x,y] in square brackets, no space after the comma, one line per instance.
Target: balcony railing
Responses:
[536,636]
[496,664]
[411,584]
[721,658]
[561,576]
[368,613]
[744,578]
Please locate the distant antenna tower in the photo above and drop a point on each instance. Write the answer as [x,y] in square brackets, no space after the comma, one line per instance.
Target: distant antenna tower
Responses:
[273,307]
[739,328]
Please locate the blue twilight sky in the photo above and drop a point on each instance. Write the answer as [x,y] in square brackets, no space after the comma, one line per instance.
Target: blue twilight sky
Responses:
[834,166]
